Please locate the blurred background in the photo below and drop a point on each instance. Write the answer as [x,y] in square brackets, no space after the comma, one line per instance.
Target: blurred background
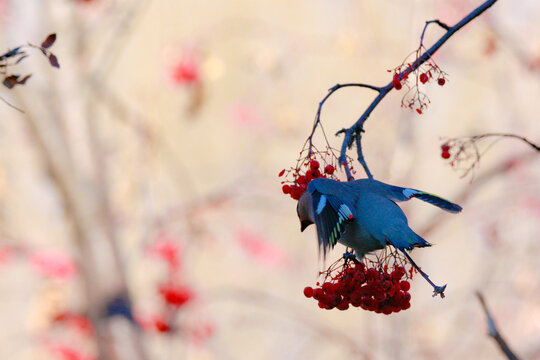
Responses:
[140,184]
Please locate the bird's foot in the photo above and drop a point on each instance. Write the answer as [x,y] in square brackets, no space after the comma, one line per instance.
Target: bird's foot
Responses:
[438,290]
[349,256]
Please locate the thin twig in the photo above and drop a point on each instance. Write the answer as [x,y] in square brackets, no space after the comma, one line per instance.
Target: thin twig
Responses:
[494,332]
[533,145]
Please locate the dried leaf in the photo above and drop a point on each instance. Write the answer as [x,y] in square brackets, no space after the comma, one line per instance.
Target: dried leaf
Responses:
[10,81]
[49,41]
[23,80]
[54,61]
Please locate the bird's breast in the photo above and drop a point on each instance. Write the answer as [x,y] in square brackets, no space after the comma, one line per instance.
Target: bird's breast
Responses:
[358,238]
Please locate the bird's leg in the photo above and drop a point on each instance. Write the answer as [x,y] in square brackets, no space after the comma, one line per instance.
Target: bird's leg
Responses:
[437,290]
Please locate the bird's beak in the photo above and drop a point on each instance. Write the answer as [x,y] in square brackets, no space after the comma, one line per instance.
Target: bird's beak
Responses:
[304,225]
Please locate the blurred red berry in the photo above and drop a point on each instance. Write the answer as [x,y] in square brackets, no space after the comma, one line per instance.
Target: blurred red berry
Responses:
[445,155]
[308,291]
[286,189]
[423,78]
[161,326]
[186,71]
[441,81]
[175,295]
[314,164]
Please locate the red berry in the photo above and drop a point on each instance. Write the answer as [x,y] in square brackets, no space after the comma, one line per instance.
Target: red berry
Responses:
[386,285]
[314,164]
[343,305]
[360,277]
[407,296]
[296,192]
[301,179]
[317,293]
[405,306]
[441,81]
[286,189]
[380,296]
[405,285]
[329,169]
[419,111]
[327,286]
[445,155]
[423,78]
[281,173]
[445,147]
[397,85]
[372,274]
[308,291]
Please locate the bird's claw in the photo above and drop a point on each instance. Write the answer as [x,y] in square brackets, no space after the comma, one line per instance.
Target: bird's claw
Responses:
[439,290]
[348,256]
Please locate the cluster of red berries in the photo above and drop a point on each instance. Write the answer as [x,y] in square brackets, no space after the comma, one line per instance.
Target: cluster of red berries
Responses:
[424,77]
[369,288]
[445,151]
[296,188]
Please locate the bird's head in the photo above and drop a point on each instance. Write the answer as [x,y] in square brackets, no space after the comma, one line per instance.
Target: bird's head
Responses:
[305,210]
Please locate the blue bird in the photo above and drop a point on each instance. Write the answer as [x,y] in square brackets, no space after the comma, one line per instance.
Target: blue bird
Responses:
[362,214]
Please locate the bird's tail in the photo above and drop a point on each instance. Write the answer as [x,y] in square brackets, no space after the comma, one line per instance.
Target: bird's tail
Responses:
[433,200]
[405,238]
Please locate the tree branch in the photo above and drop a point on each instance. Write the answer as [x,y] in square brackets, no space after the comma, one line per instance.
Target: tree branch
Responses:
[494,332]
[354,132]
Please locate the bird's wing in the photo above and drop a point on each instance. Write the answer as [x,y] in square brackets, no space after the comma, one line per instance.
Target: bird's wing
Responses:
[330,215]
[397,193]
[384,220]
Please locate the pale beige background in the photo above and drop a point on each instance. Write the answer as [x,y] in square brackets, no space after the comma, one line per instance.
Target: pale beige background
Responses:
[177,159]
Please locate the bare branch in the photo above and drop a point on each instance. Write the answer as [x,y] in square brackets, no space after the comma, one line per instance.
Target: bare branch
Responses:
[494,332]
[354,132]
[533,145]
